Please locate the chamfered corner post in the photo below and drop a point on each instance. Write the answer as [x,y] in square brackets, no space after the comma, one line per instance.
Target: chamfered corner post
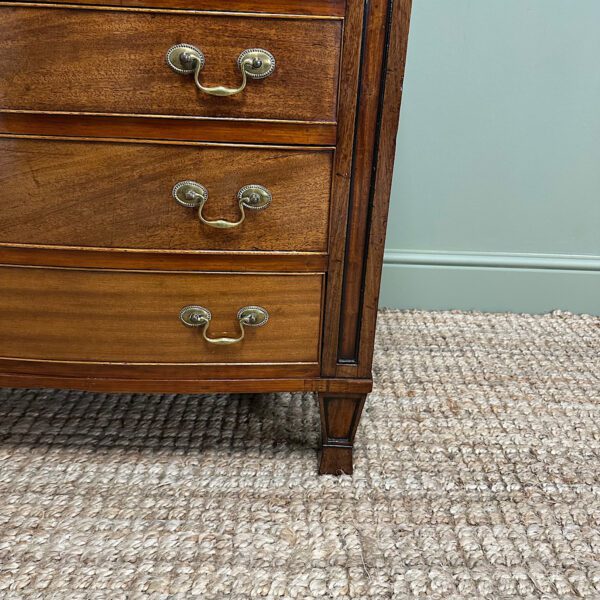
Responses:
[340,414]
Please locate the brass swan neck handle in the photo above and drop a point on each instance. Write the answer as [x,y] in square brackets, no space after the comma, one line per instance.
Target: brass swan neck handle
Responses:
[253,63]
[248,316]
[194,195]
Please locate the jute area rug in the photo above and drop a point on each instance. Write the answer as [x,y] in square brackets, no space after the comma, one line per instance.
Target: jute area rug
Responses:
[477,476]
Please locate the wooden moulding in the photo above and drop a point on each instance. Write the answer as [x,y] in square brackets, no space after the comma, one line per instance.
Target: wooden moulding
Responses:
[158,371]
[385,153]
[255,262]
[187,386]
[357,238]
[152,127]
[323,8]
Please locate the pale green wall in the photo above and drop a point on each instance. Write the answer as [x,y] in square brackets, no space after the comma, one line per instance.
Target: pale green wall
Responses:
[496,195]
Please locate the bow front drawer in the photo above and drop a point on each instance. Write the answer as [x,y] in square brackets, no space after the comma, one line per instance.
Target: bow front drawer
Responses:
[158,317]
[163,196]
[144,62]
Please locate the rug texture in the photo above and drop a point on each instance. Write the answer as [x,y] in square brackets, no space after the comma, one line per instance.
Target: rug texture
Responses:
[477,475]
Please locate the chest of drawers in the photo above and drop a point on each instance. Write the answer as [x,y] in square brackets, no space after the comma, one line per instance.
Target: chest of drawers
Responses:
[193,196]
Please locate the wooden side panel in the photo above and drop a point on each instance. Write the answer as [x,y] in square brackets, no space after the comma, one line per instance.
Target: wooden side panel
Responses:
[365,135]
[385,152]
[113,61]
[353,283]
[118,195]
[133,317]
[342,179]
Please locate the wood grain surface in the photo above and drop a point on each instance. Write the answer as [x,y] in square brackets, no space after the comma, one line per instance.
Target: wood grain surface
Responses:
[118,195]
[332,8]
[340,415]
[357,238]
[84,71]
[245,131]
[133,317]
[163,260]
[113,61]
[359,205]
[343,180]
[280,379]
[385,153]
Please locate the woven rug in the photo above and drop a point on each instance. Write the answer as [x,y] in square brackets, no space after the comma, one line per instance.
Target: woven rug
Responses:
[477,475]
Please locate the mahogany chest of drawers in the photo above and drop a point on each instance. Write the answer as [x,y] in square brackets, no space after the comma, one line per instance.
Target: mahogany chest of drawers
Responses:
[193,196]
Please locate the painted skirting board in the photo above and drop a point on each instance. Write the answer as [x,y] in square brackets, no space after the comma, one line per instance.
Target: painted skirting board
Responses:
[531,283]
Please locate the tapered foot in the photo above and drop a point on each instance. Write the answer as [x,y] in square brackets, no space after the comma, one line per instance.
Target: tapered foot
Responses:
[340,414]
[335,460]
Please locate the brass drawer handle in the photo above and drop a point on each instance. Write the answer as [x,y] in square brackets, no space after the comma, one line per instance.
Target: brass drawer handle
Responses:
[255,63]
[194,195]
[198,316]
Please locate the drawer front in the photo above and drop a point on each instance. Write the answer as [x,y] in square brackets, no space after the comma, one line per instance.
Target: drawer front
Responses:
[113,61]
[119,195]
[134,317]
[332,8]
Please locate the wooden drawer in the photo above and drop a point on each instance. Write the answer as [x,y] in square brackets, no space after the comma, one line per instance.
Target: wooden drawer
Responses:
[119,195]
[112,61]
[134,317]
[332,8]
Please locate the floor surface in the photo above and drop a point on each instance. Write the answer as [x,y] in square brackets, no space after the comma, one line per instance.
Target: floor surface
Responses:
[477,475]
